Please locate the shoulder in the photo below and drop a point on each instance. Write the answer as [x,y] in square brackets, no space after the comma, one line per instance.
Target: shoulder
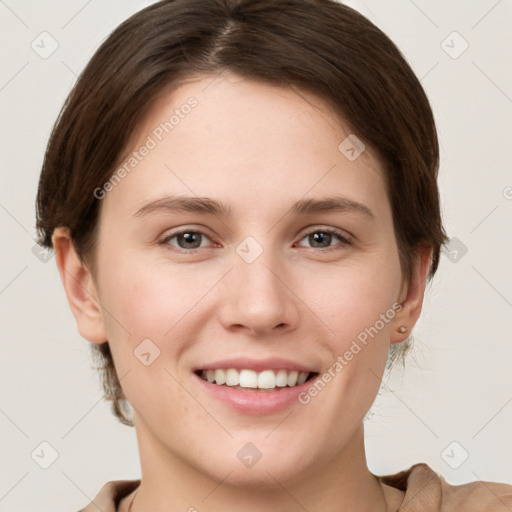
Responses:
[428,490]
[479,496]
[110,495]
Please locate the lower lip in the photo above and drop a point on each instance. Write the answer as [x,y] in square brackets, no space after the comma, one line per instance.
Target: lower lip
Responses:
[256,403]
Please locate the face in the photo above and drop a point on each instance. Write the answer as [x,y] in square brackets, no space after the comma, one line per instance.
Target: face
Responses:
[244,239]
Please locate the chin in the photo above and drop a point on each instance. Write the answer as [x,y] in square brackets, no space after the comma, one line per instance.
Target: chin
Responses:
[259,465]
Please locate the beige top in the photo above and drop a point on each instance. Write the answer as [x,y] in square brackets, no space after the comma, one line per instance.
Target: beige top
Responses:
[425,491]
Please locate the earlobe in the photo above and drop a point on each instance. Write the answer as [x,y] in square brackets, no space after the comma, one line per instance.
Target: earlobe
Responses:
[79,288]
[412,303]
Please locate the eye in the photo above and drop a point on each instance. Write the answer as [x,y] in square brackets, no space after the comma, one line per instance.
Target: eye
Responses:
[324,238]
[186,240]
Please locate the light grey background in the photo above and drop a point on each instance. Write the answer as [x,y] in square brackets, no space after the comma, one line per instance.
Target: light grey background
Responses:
[456,387]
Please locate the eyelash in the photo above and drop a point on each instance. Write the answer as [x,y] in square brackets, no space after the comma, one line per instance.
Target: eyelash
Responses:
[345,240]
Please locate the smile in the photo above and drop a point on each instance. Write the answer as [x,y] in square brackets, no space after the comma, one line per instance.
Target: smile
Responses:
[256,386]
[246,379]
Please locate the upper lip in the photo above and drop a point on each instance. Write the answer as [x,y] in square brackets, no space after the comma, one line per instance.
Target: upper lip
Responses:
[258,365]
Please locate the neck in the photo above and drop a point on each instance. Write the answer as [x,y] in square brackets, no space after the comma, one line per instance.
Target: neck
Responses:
[345,483]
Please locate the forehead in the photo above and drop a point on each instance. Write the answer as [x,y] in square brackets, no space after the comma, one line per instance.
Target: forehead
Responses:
[242,141]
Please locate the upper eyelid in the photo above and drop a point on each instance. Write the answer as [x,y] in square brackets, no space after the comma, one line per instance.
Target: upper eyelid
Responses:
[168,235]
[320,227]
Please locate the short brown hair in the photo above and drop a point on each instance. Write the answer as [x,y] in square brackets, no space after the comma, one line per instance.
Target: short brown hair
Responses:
[319,46]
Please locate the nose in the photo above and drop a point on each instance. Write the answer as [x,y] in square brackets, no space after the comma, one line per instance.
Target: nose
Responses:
[258,298]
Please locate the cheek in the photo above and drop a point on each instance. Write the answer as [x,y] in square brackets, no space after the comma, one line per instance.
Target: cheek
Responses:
[358,307]
[353,298]
[154,309]
[151,299]
[151,319]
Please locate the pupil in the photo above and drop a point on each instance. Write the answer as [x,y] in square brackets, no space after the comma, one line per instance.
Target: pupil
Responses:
[191,240]
[321,237]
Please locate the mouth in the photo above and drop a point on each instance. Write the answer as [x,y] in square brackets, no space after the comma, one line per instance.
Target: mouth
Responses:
[245,379]
[254,386]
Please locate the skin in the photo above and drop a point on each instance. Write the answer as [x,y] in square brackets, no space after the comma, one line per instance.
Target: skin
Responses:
[257,148]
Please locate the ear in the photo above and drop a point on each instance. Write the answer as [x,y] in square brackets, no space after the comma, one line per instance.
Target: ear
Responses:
[412,296]
[79,287]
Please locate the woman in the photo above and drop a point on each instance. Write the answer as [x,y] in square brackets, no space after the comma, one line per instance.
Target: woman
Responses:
[242,200]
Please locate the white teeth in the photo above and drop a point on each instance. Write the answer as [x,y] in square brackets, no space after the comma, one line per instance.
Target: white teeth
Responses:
[292,378]
[267,379]
[248,379]
[220,377]
[302,378]
[232,377]
[281,378]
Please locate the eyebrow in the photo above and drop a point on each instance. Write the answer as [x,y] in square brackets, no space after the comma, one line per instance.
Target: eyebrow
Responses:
[186,203]
[213,207]
[328,204]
